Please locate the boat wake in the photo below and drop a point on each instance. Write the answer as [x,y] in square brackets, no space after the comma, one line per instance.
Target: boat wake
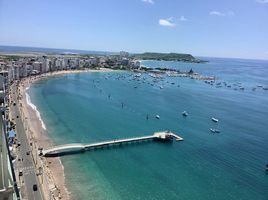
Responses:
[28,100]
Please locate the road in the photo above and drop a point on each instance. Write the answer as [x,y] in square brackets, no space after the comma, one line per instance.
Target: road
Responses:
[26,164]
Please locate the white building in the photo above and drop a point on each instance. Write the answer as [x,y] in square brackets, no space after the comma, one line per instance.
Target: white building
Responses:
[37,66]
[46,65]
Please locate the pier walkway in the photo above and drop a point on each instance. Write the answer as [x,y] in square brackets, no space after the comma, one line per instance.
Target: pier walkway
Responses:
[163,136]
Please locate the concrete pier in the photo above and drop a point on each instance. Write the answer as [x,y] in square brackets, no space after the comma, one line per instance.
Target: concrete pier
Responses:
[57,150]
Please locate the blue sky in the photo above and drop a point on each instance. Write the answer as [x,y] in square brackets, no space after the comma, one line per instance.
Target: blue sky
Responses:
[220,28]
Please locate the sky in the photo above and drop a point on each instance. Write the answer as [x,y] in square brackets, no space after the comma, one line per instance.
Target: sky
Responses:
[217,28]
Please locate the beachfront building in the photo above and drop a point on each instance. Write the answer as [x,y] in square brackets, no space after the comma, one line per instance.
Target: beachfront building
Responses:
[6,177]
[136,64]
[124,62]
[46,65]
[2,87]
[124,54]
[2,65]
[74,63]
[15,69]
[59,64]
[92,61]
[37,65]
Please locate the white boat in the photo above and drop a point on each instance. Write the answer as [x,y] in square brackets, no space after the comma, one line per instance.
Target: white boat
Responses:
[214,119]
[184,113]
[214,130]
[157,117]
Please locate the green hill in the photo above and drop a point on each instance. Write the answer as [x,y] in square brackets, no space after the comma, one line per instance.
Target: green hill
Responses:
[167,56]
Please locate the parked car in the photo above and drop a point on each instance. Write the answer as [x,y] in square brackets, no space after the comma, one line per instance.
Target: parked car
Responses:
[34,187]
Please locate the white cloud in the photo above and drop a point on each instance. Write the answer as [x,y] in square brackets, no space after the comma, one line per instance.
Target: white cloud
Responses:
[221,14]
[148,1]
[262,1]
[183,19]
[167,22]
[216,13]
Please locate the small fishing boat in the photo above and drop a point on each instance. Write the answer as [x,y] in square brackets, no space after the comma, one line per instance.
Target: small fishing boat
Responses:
[184,113]
[214,119]
[157,117]
[214,130]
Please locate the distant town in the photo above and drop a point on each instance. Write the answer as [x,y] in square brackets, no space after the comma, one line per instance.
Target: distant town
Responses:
[19,66]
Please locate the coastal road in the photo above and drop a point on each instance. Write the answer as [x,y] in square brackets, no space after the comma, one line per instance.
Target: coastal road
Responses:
[26,163]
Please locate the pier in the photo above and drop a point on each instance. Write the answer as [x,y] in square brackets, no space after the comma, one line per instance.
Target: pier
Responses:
[57,150]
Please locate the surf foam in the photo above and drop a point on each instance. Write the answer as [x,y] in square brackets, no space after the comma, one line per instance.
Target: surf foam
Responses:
[29,102]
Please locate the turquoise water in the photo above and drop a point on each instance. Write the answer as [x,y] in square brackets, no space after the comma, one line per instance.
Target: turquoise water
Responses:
[228,165]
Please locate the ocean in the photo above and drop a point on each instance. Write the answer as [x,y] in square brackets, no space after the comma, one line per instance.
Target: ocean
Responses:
[19,49]
[205,166]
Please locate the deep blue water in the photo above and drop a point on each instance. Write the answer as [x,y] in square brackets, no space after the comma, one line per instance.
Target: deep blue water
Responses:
[17,49]
[229,165]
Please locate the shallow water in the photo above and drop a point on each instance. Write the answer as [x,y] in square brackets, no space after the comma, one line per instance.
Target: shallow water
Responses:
[228,165]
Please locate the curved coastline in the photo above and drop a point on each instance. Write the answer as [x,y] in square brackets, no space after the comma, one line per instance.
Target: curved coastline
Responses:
[54,182]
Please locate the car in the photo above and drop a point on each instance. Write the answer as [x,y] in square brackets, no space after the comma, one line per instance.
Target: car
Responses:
[34,187]
[20,173]
[17,116]
[28,153]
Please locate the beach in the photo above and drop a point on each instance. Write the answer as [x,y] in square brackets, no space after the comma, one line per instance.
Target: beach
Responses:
[52,179]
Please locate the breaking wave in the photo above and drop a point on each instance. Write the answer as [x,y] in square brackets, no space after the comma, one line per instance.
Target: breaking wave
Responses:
[29,102]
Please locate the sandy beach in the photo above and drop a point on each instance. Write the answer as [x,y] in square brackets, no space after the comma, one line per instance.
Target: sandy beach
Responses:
[52,179]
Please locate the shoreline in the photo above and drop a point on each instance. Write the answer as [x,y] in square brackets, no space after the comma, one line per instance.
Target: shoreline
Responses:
[52,180]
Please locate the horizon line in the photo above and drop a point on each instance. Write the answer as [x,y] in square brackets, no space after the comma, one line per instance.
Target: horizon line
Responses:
[106,51]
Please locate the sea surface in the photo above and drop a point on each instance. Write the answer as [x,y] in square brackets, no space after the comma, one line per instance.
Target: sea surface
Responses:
[18,49]
[230,165]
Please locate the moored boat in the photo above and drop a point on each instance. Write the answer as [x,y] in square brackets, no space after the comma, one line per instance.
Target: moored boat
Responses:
[184,113]
[214,130]
[214,119]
